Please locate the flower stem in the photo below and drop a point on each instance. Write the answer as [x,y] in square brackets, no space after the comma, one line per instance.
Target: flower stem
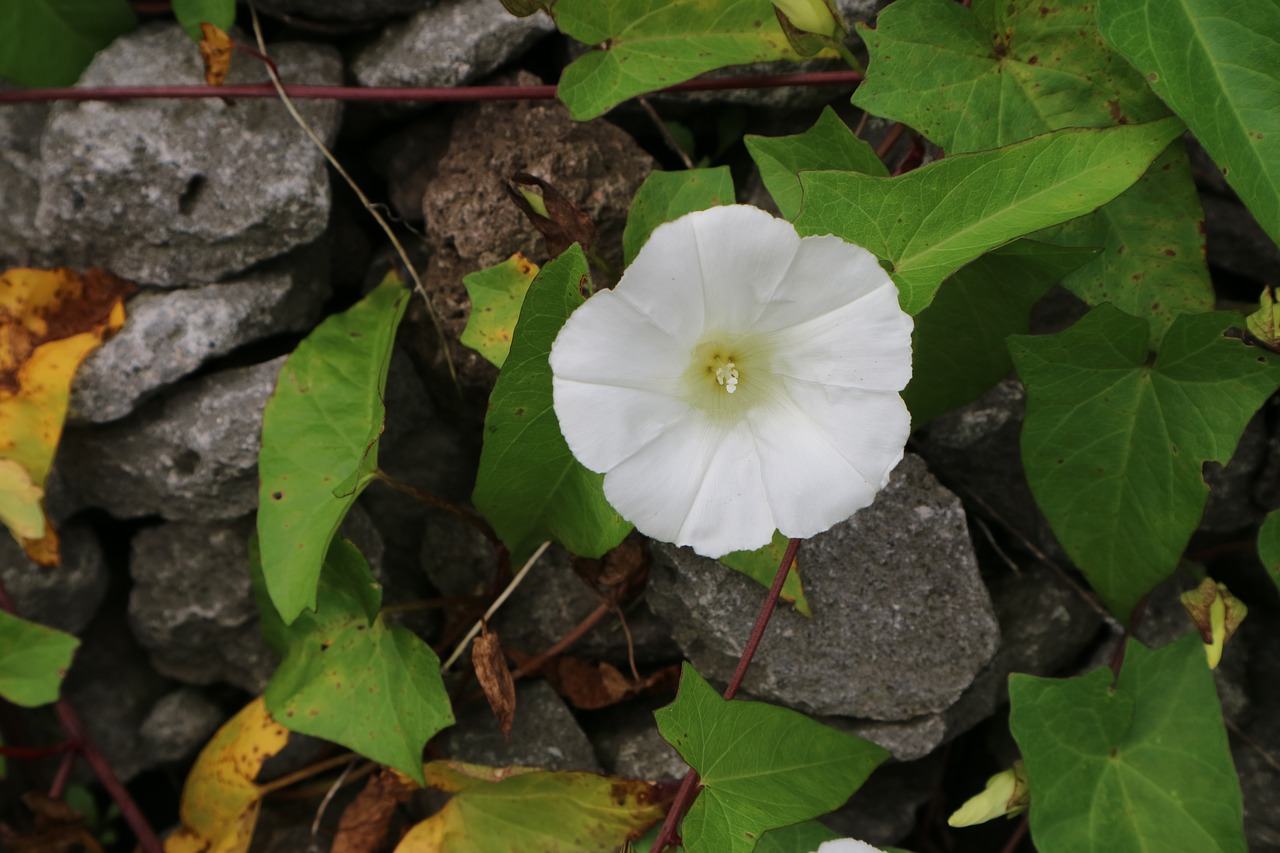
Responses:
[668,835]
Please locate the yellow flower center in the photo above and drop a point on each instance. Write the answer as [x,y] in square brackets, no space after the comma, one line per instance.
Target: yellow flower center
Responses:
[726,376]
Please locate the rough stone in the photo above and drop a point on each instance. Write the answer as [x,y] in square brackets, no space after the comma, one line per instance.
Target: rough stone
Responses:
[354,11]
[902,623]
[450,44]
[1231,503]
[67,597]
[1260,722]
[883,810]
[1235,242]
[628,743]
[547,606]
[545,735]
[170,333]
[192,455]
[21,126]
[471,224]
[157,190]
[113,688]
[192,606]
[179,725]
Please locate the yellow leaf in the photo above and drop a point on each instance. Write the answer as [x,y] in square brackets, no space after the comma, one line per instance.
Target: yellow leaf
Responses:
[533,811]
[50,320]
[20,501]
[220,800]
[215,50]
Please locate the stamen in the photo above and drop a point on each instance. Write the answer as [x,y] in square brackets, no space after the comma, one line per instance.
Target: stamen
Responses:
[727,375]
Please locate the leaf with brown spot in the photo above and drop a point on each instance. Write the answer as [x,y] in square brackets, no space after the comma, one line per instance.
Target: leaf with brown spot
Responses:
[220,800]
[559,220]
[50,320]
[495,679]
[534,811]
[364,824]
[215,50]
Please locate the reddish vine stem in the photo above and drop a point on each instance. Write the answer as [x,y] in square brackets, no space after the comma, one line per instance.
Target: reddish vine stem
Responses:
[29,753]
[668,836]
[593,618]
[62,777]
[81,743]
[456,94]
[1016,838]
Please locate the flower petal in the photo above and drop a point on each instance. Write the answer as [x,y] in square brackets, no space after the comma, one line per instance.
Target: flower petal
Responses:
[825,274]
[743,253]
[605,425]
[607,341]
[864,344]
[663,281]
[826,451]
[696,484]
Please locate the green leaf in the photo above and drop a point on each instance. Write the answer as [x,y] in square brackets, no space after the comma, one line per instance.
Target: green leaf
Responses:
[529,486]
[930,222]
[191,13]
[50,42]
[665,196]
[1269,546]
[998,72]
[652,44]
[798,838]
[762,564]
[958,345]
[1214,63]
[33,661]
[1138,766]
[1115,437]
[1028,67]
[496,296]
[320,441]
[347,675]
[829,144]
[1152,263]
[762,766]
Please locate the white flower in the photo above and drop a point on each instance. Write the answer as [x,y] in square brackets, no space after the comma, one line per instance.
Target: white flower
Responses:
[846,845]
[736,381]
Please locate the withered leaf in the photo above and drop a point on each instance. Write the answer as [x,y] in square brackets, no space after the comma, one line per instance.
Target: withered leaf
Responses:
[559,220]
[215,50]
[495,679]
[364,824]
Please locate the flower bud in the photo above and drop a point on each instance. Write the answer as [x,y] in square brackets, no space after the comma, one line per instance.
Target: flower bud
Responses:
[1007,794]
[810,16]
[1216,614]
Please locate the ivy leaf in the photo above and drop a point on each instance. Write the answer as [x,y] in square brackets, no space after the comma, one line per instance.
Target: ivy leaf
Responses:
[958,345]
[529,486]
[320,441]
[762,766]
[1142,764]
[930,222]
[34,660]
[665,196]
[496,295]
[829,144]
[220,799]
[1214,63]
[1025,66]
[50,42]
[1269,546]
[1035,67]
[533,811]
[761,566]
[1115,437]
[347,675]
[192,13]
[798,838]
[652,44]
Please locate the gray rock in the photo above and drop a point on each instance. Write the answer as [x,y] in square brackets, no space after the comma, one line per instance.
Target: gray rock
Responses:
[113,689]
[192,604]
[1234,241]
[902,623]
[66,597]
[184,191]
[545,735]
[883,811]
[170,333]
[354,11]
[451,44]
[628,742]
[21,126]
[179,725]
[1232,486]
[189,456]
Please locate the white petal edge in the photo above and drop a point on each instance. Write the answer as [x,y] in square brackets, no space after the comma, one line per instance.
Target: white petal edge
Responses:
[695,485]
[846,845]
[744,254]
[825,274]
[605,425]
[607,341]
[826,451]
[664,283]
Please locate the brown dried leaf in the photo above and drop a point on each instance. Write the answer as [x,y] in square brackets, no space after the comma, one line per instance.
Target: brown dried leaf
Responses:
[559,220]
[591,686]
[494,677]
[215,50]
[58,829]
[364,824]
